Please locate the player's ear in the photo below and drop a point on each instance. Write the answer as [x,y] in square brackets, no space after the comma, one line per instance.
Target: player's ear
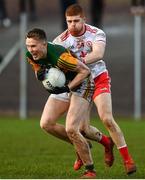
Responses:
[45,43]
[84,19]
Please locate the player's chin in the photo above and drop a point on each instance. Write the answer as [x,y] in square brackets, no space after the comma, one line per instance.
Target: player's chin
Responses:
[74,33]
[36,58]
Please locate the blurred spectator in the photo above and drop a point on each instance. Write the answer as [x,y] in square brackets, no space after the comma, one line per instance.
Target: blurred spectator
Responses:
[138,2]
[32,9]
[96,11]
[64,4]
[4,20]
[138,7]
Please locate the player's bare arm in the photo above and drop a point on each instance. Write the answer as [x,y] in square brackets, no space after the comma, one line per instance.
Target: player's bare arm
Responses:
[69,62]
[82,72]
[97,53]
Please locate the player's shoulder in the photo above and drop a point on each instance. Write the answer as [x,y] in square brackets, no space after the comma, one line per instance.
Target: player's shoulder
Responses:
[56,48]
[93,29]
[62,37]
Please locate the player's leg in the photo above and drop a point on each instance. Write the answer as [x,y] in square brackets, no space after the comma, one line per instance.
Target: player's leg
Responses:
[77,108]
[102,84]
[82,128]
[104,105]
[54,108]
[92,133]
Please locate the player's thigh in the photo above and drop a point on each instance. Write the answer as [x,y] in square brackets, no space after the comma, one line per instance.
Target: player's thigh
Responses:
[85,122]
[76,113]
[53,109]
[103,103]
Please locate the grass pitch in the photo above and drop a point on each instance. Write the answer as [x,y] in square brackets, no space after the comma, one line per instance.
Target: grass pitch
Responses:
[26,152]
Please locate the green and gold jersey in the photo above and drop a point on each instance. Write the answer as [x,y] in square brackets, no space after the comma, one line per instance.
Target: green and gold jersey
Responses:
[57,56]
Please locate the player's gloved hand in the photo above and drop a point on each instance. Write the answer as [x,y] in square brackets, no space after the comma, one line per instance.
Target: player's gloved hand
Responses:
[40,74]
[59,90]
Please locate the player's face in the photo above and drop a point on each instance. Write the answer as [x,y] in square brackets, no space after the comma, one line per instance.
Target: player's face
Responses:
[37,48]
[76,25]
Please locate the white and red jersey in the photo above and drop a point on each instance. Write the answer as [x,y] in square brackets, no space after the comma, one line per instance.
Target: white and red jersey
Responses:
[82,45]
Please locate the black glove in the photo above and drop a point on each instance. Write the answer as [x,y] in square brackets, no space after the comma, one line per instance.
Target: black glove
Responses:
[40,74]
[59,90]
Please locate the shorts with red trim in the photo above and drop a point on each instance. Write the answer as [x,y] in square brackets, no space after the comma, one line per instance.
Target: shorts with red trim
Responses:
[102,84]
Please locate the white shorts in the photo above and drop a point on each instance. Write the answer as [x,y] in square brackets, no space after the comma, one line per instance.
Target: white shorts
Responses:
[84,90]
[62,97]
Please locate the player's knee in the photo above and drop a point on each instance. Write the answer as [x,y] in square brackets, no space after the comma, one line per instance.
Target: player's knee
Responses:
[46,124]
[109,123]
[107,120]
[42,125]
[71,132]
[82,127]
[83,130]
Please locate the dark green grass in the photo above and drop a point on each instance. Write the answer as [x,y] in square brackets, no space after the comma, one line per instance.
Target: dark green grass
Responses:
[29,153]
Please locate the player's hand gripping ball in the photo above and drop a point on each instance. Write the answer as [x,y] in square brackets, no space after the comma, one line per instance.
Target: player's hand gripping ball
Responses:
[53,78]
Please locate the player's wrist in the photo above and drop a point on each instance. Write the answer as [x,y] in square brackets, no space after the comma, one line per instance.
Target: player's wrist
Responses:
[68,89]
[83,60]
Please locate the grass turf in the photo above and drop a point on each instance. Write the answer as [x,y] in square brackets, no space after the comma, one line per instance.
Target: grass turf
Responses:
[26,152]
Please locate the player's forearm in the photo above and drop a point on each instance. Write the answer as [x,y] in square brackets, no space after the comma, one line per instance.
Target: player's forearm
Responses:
[79,78]
[92,57]
[96,54]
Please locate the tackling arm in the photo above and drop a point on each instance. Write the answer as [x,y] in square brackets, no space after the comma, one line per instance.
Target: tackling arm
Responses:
[97,53]
[70,63]
[82,72]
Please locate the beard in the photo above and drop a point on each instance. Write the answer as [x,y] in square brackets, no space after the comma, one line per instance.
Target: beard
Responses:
[77,32]
[74,32]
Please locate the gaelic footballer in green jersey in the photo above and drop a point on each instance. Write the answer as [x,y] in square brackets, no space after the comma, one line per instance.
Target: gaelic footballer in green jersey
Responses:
[42,54]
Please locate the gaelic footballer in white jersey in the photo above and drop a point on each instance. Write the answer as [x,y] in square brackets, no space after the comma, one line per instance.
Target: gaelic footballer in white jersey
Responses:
[82,45]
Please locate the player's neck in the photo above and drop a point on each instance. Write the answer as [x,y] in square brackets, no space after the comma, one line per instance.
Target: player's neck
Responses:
[82,31]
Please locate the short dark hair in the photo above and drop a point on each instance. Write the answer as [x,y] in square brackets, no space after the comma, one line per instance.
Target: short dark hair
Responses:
[37,33]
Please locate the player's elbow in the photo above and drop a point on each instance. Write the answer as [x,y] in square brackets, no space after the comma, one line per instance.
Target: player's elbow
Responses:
[100,54]
[86,72]
[83,69]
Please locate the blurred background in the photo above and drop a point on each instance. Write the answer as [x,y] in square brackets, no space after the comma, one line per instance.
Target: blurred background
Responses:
[114,17]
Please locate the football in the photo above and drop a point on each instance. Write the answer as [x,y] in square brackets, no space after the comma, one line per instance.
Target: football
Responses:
[53,78]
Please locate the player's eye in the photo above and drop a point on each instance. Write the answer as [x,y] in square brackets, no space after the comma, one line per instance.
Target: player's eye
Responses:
[76,21]
[69,21]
